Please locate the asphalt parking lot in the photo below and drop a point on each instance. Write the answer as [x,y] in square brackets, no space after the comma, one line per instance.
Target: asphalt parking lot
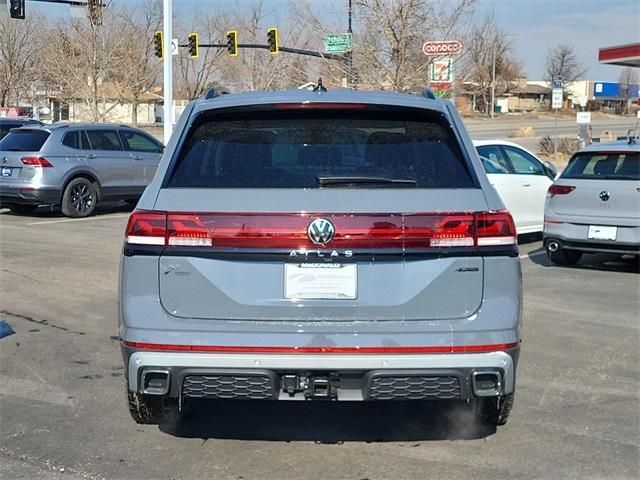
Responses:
[63,413]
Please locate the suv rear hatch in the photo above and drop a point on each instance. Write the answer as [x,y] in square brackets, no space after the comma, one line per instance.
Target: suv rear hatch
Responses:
[350,211]
[19,154]
[599,185]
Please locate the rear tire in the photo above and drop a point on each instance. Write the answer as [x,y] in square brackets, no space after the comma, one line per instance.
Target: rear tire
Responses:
[22,208]
[152,410]
[564,257]
[80,198]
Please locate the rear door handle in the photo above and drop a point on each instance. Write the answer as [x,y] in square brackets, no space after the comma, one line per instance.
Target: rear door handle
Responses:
[526,184]
[137,157]
[90,155]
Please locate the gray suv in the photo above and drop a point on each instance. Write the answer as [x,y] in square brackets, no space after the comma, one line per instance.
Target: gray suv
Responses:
[75,166]
[320,246]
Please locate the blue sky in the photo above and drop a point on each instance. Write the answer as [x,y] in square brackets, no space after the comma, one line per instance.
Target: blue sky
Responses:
[534,25]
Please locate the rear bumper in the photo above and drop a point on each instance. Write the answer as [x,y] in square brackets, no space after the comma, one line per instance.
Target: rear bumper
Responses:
[575,236]
[29,195]
[358,376]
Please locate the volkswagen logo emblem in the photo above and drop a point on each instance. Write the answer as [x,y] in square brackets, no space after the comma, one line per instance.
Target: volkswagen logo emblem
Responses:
[604,195]
[321,231]
[4,160]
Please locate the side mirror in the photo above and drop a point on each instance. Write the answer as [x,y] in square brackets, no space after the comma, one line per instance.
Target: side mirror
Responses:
[550,169]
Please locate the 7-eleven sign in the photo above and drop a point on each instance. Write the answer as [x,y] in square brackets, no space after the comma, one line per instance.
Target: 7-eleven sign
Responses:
[440,70]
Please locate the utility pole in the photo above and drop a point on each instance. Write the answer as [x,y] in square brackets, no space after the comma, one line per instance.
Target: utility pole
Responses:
[493,84]
[167,89]
[350,54]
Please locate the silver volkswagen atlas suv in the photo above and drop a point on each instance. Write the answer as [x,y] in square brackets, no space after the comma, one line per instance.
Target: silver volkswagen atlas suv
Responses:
[327,245]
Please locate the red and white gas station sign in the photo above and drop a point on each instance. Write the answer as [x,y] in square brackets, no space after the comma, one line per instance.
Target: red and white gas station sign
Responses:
[440,48]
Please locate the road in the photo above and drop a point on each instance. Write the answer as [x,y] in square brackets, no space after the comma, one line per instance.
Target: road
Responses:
[503,127]
[63,414]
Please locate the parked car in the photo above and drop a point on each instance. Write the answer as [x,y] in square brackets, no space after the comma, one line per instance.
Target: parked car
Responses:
[7,123]
[75,166]
[594,207]
[521,179]
[293,245]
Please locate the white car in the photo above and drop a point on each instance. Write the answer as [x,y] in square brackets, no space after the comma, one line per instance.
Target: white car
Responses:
[521,179]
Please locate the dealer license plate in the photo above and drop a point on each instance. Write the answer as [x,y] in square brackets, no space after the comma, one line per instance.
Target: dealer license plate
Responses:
[598,232]
[320,281]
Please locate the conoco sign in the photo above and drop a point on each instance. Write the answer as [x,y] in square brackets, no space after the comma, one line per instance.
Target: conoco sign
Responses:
[440,48]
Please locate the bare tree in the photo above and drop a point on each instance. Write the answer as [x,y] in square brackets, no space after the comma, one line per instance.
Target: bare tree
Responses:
[628,77]
[18,57]
[194,76]
[136,54]
[257,69]
[390,50]
[88,64]
[388,37]
[487,44]
[562,62]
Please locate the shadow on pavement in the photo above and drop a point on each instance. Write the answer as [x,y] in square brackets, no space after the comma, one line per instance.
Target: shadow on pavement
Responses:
[327,422]
[49,211]
[595,261]
[529,238]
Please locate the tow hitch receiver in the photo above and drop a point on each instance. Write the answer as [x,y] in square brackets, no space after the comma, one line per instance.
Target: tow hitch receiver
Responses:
[314,387]
[322,387]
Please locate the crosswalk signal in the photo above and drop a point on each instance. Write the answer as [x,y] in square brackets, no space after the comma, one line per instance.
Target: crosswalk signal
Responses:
[16,9]
[193,45]
[232,43]
[272,41]
[158,44]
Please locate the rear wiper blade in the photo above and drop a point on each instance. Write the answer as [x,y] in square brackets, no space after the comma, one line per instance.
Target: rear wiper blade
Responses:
[348,181]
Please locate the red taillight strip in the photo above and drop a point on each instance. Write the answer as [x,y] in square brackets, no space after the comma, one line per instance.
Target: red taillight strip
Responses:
[325,350]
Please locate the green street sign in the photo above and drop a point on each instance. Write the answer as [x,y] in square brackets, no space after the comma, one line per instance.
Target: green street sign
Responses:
[338,43]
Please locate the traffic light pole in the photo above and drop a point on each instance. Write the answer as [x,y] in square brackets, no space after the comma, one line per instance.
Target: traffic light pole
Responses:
[167,70]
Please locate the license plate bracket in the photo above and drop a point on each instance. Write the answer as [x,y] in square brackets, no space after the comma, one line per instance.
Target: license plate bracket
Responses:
[320,281]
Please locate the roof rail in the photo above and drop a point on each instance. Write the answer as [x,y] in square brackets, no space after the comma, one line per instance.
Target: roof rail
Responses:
[428,93]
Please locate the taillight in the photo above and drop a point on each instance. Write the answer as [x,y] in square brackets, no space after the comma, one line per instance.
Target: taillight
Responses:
[288,231]
[147,228]
[495,228]
[559,190]
[36,161]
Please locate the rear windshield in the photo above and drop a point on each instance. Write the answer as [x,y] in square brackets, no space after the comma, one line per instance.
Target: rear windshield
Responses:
[5,127]
[604,165]
[24,141]
[315,148]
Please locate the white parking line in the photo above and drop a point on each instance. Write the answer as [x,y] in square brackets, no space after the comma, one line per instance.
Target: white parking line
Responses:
[88,219]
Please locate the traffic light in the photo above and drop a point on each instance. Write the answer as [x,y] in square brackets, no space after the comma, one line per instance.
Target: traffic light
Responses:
[158,44]
[272,41]
[95,11]
[193,45]
[232,43]
[16,9]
